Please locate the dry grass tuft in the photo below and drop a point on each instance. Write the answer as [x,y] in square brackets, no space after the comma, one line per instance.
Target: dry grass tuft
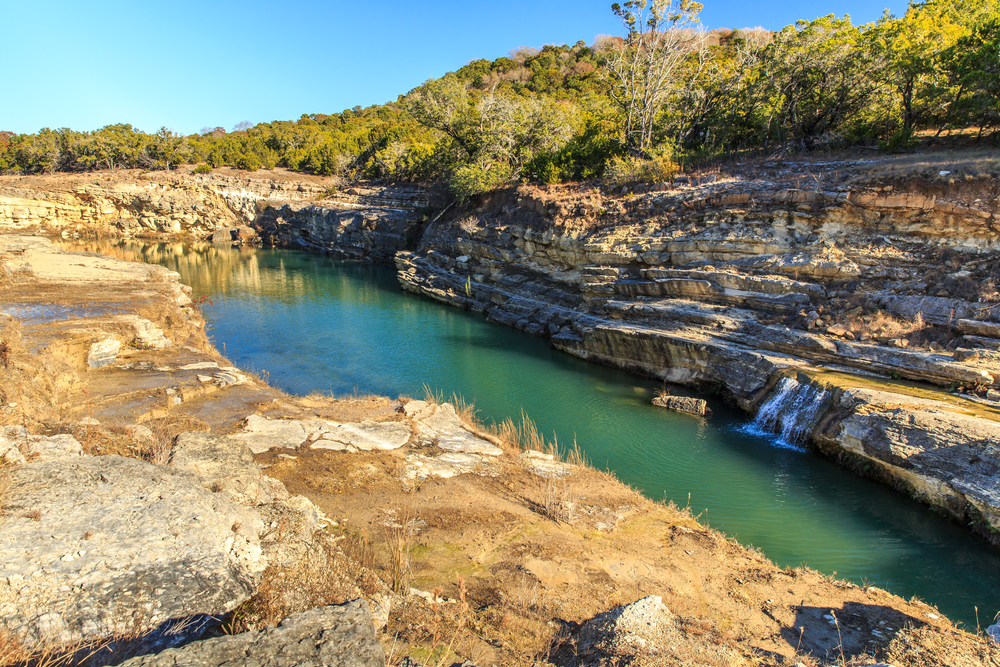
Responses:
[323,575]
[151,441]
[128,638]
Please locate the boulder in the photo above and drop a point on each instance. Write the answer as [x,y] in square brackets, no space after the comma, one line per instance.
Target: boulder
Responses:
[334,636]
[93,545]
[687,404]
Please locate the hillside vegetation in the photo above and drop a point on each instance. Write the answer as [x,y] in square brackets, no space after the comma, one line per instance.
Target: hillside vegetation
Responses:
[626,108]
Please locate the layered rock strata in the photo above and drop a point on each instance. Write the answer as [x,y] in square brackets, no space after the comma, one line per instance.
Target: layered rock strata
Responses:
[732,286]
[359,221]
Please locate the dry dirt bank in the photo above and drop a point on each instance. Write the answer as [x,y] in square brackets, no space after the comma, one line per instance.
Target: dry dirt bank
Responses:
[465,546]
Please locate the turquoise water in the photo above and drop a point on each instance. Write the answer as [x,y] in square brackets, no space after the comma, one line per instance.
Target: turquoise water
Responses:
[315,324]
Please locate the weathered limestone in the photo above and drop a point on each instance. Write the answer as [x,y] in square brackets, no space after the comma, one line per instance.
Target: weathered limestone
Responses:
[18,446]
[362,222]
[688,404]
[440,425]
[948,459]
[95,544]
[334,636]
[103,353]
[364,436]
[261,434]
[225,466]
[732,286]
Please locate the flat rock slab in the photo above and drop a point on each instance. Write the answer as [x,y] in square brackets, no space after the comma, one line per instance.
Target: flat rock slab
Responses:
[227,466]
[17,446]
[98,544]
[262,434]
[449,464]
[441,425]
[366,436]
[334,636]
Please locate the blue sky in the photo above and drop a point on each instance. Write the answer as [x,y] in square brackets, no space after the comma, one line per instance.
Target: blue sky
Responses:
[189,64]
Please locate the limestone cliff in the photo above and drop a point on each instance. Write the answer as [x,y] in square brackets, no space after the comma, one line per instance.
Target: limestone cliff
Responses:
[728,284]
[732,285]
[364,222]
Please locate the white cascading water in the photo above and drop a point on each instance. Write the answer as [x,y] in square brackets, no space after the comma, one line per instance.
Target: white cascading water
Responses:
[791,411]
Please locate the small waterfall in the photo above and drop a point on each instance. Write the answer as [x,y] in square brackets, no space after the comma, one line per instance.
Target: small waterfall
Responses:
[791,411]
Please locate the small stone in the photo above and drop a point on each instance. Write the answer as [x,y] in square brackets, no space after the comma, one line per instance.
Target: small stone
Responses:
[103,353]
[966,354]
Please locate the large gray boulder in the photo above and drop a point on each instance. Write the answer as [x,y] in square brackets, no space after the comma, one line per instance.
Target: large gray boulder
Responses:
[112,544]
[334,636]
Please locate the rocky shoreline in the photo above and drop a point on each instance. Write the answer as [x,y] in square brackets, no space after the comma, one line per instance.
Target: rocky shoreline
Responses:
[116,362]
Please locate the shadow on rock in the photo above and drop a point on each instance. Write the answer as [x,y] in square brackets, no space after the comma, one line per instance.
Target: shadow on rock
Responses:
[853,629]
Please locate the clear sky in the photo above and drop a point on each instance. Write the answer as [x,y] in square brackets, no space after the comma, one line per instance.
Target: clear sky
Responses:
[188,64]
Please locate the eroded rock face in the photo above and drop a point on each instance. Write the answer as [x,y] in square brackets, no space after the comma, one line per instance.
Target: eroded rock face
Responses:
[334,636]
[363,222]
[949,459]
[97,544]
[733,286]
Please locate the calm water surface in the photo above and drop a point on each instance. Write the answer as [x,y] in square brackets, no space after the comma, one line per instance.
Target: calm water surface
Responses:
[315,324]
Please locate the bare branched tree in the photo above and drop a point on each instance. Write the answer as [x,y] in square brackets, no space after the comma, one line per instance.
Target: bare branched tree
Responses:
[659,36]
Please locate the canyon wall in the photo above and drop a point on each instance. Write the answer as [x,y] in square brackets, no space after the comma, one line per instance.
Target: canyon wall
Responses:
[881,300]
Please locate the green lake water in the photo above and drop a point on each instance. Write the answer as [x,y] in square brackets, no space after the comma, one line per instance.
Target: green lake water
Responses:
[311,323]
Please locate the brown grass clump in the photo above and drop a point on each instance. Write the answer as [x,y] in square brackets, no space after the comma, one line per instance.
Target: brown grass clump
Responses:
[937,647]
[323,575]
[150,442]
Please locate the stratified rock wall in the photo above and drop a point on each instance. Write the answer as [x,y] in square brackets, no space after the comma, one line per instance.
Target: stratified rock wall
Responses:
[733,286]
[362,221]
